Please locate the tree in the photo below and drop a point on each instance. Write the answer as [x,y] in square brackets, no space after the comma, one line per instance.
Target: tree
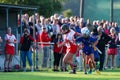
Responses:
[46,7]
[67,13]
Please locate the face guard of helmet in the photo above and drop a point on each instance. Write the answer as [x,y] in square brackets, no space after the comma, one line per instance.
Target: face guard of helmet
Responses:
[85,32]
[65,28]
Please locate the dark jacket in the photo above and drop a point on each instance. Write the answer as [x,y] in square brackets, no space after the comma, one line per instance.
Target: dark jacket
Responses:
[25,42]
[103,41]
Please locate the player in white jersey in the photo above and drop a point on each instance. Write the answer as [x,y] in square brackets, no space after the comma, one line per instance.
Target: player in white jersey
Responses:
[69,41]
[9,49]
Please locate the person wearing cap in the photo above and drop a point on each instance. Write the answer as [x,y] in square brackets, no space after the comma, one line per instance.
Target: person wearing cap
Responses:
[25,44]
[10,40]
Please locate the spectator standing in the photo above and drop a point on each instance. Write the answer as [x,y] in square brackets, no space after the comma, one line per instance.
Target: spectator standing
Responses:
[57,51]
[117,28]
[102,41]
[25,44]
[112,50]
[55,28]
[44,38]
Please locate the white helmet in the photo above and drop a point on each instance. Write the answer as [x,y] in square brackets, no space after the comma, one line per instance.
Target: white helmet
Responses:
[85,30]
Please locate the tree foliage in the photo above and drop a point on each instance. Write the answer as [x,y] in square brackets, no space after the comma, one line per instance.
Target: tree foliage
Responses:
[46,7]
[67,13]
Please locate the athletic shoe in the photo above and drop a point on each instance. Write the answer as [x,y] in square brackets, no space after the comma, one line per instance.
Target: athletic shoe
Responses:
[72,72]
[24,69]
[32,70]
[85,72]
[55,70]
[5,69]
[106,68]
[98,72]
[90,72]
[112,67]
[66,70]
[62,69]
[9,69]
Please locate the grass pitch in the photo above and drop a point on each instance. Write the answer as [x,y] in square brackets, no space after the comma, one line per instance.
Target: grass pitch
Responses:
[50,75]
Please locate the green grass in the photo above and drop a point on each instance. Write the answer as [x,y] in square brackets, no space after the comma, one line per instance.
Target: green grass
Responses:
[49,75]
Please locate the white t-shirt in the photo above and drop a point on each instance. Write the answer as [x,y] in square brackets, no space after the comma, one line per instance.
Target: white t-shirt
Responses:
[70,38]
[11,39]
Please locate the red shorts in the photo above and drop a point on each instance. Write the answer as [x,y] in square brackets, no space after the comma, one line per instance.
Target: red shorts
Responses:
[72,49]
[112,51]
[9,49]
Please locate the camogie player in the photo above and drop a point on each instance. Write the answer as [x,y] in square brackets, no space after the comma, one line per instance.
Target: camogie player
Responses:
[96,52]
[89,44]
[69,41]
[9,49]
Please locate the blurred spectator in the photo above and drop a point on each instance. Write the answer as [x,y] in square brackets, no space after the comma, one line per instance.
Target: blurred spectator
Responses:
[81,23]
[55,28]
[112,49]
[0,39]
[116,28]
[26,16]
[57,51]
[77,27]
[9,49]
[105,29]
[89,25]
[25,45]
[48,27]
[18,22]
[95,24]
[103,40]
[24,23]
[37,16]
[56,16]
[31,26]
[38,26]
[44,38]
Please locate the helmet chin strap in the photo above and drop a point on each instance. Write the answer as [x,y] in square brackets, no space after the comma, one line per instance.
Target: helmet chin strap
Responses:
[67,32]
